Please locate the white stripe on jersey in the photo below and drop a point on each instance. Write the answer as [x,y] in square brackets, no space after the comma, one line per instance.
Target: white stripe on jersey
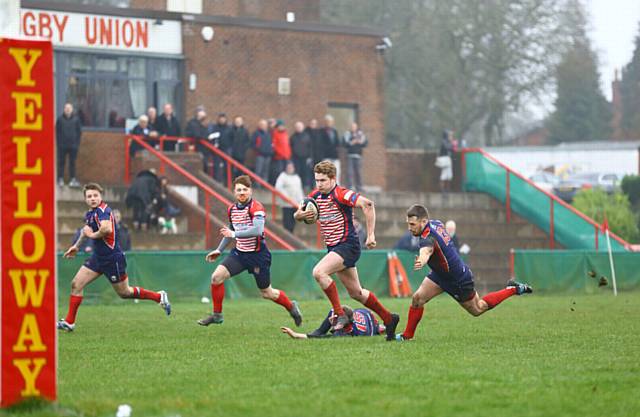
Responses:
[332,221]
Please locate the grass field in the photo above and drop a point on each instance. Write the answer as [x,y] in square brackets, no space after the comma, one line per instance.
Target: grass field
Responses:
[532,356]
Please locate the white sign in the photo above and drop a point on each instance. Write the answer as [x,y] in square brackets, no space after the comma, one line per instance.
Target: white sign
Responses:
[102,31]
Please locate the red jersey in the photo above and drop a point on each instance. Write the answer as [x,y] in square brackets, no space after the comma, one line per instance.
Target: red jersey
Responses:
[241,217]
[335,211]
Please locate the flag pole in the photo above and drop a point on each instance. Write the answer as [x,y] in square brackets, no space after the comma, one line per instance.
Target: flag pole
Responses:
[613,270]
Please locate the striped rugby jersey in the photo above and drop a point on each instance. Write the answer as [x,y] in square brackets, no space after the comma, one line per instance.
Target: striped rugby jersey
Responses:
[336,215]
[240,218]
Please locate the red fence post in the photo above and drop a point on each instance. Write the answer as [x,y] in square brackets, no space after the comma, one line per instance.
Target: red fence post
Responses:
[508,196]
[229,176]
[273,207]
[552,226]
[127,168]
[207,222]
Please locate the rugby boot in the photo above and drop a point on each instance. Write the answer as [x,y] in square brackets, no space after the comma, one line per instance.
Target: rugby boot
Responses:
[67,327]
[521,288]
[215,318]
[164,302]
[391,327]
[296,314]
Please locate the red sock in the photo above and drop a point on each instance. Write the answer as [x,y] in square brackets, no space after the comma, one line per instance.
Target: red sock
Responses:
[495,298]
[283,300]
[74,304]
[217,295]
[141,293]
[374,304]
[332,295]
[415,315]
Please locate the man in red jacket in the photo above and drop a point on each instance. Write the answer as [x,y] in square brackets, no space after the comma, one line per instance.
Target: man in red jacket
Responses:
[281,150]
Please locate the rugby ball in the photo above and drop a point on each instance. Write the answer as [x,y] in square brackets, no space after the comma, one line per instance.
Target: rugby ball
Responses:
[310,204]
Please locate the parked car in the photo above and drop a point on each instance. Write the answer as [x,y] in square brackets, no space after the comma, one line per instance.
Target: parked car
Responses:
[568,188]
[545,180]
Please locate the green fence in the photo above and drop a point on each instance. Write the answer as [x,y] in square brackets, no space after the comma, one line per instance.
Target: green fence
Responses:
[570,230]
[571,270]
[185,275]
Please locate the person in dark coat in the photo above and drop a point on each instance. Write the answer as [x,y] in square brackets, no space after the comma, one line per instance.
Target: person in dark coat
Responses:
[68,135]
[124,237]
[220,137]
[168,125]
[263,146]
[301,154]
[240,141]
[355,141]
[317,141]
[143,197]
[330,144]
[197,129]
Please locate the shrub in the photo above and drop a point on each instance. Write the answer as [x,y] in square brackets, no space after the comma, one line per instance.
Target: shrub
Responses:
[595,203]
[631,187]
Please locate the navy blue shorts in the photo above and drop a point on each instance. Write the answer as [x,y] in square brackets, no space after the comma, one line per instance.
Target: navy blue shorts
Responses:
[257,263]
[114,266]
[349,251]
[460,288]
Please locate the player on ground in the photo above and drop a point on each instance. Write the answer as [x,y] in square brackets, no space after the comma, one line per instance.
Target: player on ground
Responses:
[448,273]
[335,209]
[246,226]
[362,321]
[107,259]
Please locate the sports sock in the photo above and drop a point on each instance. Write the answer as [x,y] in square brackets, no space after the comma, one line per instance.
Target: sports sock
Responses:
[283,300]
[74,304]
[415,315]
[375,305]
[141,293]
[332,295]
[495,298]
[217,295]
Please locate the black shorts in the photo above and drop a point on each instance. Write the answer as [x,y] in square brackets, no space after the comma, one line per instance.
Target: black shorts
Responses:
[257,263]
[460,288]
[113,266]
[348,251]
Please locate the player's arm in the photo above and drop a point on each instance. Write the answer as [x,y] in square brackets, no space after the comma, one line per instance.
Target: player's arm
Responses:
[105,229]
[301,215]
[370,219]
[293,334]
[73,249]
[214,254]
[423,257]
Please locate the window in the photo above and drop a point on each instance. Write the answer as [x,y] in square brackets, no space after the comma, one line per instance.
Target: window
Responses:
[344,114]
[106,90]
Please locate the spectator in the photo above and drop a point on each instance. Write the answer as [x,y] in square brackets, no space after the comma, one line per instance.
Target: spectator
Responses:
[281,149]
[141,129]
[450,227]
[317,141]
[143,197]
[68,136]
[152,114]
[168,125]
[444,162]
[220,137]
[87,244]
[239,141]
[167,212]
[271,123]
[263,147]
[197,128]
[408,242]
[289,184]
[301,151]
[355,141]
[330,143]
[124,237]
[360,231]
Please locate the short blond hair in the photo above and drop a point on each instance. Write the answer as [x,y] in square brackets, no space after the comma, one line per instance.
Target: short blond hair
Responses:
[325,167]
[92,186]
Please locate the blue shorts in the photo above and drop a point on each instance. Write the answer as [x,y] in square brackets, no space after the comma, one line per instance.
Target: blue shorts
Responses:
[460,288]
[348,251]
[257,263]
[114,266]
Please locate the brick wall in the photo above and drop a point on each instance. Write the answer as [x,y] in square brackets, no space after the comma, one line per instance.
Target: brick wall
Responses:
[237,73]
[101,158]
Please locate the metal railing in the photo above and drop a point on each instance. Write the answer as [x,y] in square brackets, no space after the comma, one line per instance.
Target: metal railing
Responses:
[553,199]
[208,192]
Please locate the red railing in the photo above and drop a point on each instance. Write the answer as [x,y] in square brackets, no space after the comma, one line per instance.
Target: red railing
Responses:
[552,199]
[208,192]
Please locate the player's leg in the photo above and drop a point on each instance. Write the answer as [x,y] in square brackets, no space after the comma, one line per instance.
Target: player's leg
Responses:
[228,268]
[328,265]
[351,281]
[427,290]
[83,277]
[477,306]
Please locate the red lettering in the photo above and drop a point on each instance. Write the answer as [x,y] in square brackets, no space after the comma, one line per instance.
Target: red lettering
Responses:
[105,31]
[44,21]
[28,24]
[60,24]
[117,32]
[127,35]
[91,37]
[142,35]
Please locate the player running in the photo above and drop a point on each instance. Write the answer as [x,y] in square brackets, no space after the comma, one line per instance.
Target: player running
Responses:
[362,321]
[107,259]
[335,209]
[448,273]
[246,226]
